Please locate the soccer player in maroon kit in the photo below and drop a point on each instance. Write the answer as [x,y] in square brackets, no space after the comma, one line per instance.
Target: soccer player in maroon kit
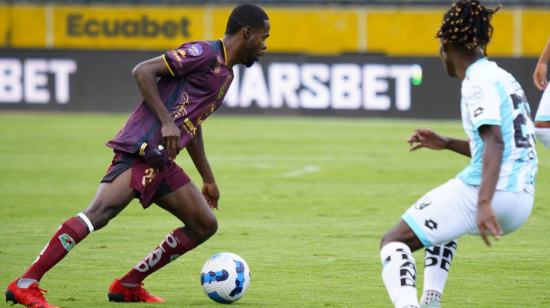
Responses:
[194,80]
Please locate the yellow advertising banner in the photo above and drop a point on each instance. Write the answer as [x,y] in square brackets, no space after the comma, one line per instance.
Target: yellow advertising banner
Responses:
[3,25]
[535,31]
[314,30]
[299,30]
[126,27]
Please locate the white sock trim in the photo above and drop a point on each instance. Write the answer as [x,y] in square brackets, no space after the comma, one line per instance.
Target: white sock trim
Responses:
[391,247]
[543,135]
[87,221]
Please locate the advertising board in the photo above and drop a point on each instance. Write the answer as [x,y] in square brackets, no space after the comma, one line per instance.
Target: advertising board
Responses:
[348,85]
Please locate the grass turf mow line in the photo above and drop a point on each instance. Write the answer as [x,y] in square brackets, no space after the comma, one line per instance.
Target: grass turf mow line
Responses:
[304,202]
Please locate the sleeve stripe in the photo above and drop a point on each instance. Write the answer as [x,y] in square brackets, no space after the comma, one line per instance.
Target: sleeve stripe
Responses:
[168,65]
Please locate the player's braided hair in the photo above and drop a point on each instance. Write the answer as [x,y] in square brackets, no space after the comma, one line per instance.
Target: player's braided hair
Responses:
[245,15]
[468,23]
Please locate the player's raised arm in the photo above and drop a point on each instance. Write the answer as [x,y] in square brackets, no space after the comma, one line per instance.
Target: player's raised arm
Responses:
[146,74]
[432,140]
[210,191]
[491,164]
[542,66]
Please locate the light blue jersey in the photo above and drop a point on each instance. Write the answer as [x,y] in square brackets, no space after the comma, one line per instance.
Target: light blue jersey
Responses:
[492,96]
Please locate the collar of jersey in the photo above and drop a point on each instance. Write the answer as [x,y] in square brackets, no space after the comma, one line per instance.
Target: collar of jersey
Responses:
[224,52]
[472,65]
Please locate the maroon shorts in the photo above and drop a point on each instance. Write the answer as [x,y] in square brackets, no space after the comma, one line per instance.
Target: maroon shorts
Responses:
[146,180]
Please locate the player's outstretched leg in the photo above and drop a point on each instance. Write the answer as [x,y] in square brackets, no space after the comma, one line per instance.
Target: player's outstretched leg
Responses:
[438,263]
[188,204]
[399,267]
[110,199]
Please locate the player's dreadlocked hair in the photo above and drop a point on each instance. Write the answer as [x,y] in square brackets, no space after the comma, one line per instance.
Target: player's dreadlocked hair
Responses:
[245,15]
[468,23]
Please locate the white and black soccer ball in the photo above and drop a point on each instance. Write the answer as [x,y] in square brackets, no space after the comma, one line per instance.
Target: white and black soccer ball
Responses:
[225,277]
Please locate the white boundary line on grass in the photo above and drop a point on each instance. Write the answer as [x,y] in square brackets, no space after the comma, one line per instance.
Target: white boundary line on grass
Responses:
[305,170]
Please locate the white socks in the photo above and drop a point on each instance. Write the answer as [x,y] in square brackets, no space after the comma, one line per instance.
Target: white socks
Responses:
[438,263]
[399,274]
[543,135]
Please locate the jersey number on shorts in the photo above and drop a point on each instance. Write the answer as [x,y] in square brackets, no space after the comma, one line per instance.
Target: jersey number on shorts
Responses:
[149,175]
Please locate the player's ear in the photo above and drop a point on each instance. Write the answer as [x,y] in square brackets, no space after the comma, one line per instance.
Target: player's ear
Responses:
[247,32]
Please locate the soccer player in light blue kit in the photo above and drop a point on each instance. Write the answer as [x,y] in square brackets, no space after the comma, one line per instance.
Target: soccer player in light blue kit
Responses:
[495,193]
[542,119]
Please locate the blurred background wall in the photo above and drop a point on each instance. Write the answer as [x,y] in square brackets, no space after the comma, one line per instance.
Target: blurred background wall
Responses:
[313,29]
[54,55]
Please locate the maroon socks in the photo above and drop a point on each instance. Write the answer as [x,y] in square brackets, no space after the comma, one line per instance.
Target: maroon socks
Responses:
[73,232]
[67,236]
[173,246]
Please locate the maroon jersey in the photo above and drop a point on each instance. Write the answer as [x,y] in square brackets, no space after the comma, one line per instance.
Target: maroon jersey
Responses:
[199,82]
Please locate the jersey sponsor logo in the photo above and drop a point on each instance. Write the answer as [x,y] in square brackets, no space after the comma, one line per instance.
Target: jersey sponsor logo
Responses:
[421,205]
[176,55]
[189,127]
[179,109]
[478,111]
[195,50]
[67,241]
[222,90]
[431,224]
[206,113]
[475,96]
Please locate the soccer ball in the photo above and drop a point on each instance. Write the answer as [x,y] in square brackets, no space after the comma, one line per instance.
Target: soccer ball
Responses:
[225,277]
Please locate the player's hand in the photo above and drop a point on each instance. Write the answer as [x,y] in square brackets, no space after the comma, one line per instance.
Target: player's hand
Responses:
[540,76]
[211,194]
[427,139]
[171,139]
[487,220]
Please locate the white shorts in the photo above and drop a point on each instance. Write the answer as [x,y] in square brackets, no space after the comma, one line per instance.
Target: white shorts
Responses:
[543,112]
[449,212]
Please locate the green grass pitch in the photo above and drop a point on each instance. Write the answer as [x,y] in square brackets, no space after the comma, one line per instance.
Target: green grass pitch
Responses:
[304,202]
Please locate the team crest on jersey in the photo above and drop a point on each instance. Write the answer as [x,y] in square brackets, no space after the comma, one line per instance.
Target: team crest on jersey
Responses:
[475,96]
[174,257]
[420,205]
[67,241]
[195,50]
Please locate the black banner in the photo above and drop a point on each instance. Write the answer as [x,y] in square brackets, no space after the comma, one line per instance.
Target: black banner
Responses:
[351,85]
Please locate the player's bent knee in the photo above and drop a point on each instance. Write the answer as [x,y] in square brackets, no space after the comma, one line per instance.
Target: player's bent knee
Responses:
[205,230]
[386,238]
[210,228]
[99,216]
[98,221]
